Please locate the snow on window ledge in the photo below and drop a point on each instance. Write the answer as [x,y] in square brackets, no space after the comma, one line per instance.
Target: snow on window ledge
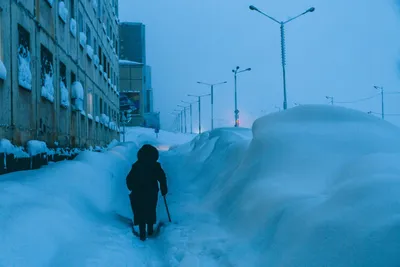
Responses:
[89,51]
[105,76]
[83,113]
[109,82]
[96,60]
[62,11]
[77,95]
[101,69]
[82,39]
[64,95]
[48,87]
[72,27]
[24,68]
[104,28]
[94,5]
[3,71]
[90,117]
[97,119]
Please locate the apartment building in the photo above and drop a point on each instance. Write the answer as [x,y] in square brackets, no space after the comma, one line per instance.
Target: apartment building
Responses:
[60,75]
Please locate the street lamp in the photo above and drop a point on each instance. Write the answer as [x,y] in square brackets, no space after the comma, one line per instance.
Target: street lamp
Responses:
[212,99]
[283,45]
[330,98]
[191,114]
[180,118]
[199,101]
[236,71]
[382,100]
[184,108]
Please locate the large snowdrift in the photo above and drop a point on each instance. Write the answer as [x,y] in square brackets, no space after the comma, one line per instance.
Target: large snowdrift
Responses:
[66,209]
[316,186]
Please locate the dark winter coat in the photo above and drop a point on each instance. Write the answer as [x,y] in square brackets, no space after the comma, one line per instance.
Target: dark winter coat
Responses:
[143,181]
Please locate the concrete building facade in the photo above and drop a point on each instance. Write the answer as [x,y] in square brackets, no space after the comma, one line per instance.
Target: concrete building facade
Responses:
[61,59]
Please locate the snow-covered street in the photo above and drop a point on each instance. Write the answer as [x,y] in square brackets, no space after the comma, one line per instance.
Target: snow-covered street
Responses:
[311,186]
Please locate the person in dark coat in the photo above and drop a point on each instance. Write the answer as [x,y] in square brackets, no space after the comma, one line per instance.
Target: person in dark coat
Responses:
[143,181]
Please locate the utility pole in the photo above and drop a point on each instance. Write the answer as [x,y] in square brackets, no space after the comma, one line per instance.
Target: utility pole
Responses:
[212,99]
[191,114]
[382,100]
[199,101]
[184,109]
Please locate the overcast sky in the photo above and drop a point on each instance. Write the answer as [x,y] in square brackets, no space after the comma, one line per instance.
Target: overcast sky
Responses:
[342,49]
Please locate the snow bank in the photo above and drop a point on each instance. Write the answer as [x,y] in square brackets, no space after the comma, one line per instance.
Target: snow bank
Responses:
[62,11]
[90,52]
[77,95]
[72,27]
[48,87]
[64,95]
[82,39]
[24,68]
[36,147]
[3,71]
[316,186]
[67,209]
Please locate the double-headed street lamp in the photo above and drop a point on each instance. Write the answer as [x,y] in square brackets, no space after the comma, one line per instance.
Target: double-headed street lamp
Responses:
[199,101]
[236,71]
[283,45]
[191,114]
[212,99]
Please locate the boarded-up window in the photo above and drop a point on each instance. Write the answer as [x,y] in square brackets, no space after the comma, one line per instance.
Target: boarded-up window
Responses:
[24,59]
[46,73]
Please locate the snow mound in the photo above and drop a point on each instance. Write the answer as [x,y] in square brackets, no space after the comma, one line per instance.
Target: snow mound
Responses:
[36,147]
[72,27]
[316,186]
[64,95]
[3,71]
[24,68]
[62,11]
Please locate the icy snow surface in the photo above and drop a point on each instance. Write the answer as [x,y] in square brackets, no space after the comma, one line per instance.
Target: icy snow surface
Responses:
[310,186]
[48,87]
[3,71]
[64,95]
[24,69]
[72,27]
[62,11]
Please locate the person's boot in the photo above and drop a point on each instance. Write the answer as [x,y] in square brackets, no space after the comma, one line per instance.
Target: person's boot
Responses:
[150,229]
[142,231]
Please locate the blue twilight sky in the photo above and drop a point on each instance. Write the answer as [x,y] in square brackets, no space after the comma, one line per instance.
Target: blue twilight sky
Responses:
[342,49]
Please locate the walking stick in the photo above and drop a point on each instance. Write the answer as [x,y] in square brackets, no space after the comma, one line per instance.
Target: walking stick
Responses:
[166,206]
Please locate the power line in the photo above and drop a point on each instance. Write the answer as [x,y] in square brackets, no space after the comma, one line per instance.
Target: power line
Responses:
[359,100]
[376,113]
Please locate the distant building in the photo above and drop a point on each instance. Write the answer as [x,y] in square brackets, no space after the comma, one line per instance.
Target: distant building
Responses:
[135,76]
[59,72]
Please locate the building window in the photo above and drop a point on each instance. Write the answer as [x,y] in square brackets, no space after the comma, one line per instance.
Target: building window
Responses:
[46,73]
[105,107]
[94,45]
[100,55]
[88,35]
[80,22]
[108,72]
[72,8]
[73,77]
[100,9]
[24,59]
[101,105]
[96,105]
[148,101]
[116,47]
[63,85]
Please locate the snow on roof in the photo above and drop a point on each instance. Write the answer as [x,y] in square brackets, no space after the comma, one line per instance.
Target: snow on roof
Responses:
[3,71]
[77,90]
[128,62]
